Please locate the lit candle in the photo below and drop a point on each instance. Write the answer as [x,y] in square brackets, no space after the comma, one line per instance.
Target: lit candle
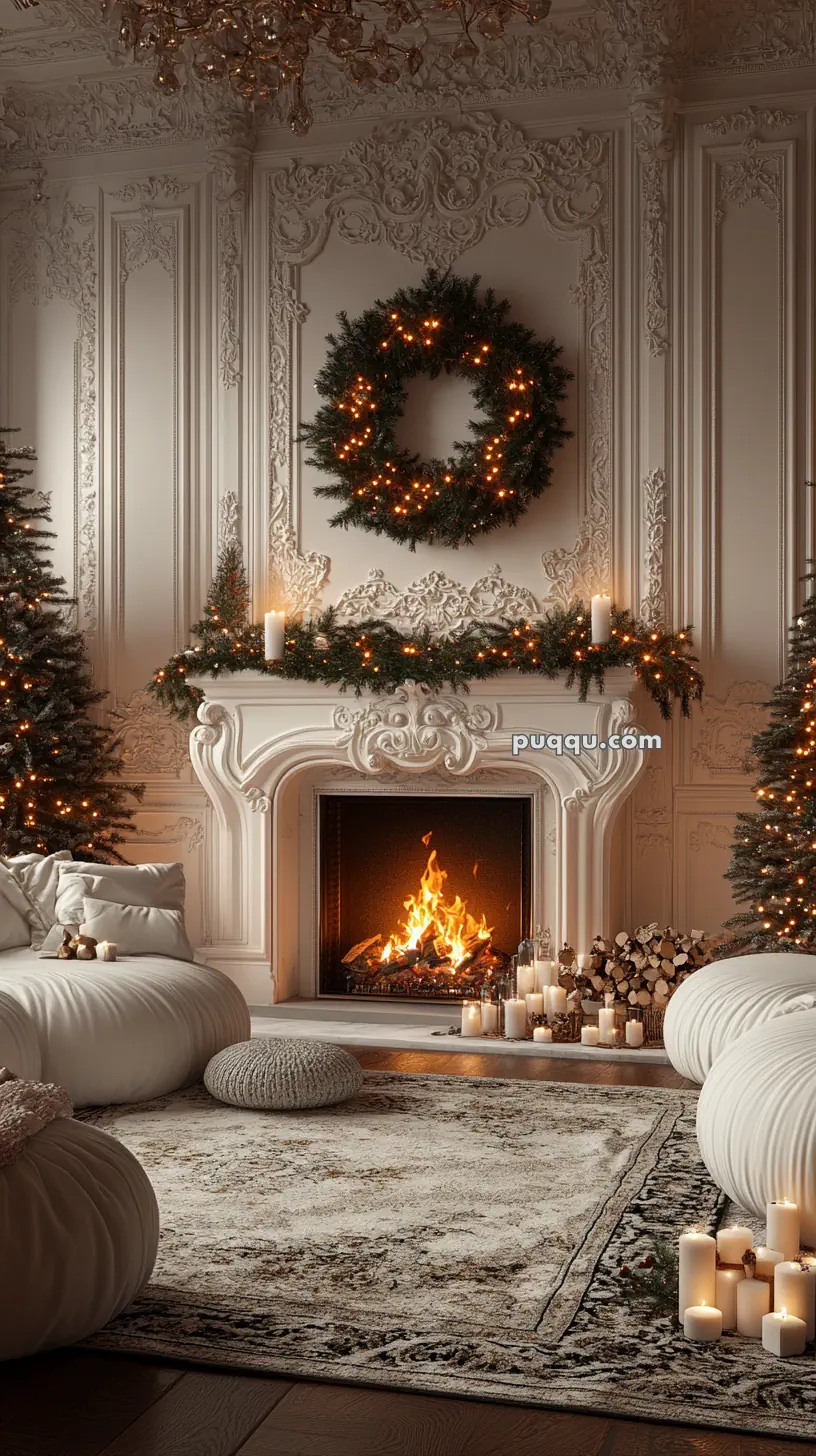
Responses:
[767,1260]
[606,1024]
[753,1303]
[590,1036]
[515,1019]
[732,1243]
[702,1322]
[601,619]
[556,1001]
[795,1291]
[697,1273]
[490,1018]
[583,962]
[535,1003]
[542,1033]
[782,1227]
[471,1018]
[545,974]
[525,980]
[274,630]
[783,1334]
[634,1033]
[106,950]
[726,1293]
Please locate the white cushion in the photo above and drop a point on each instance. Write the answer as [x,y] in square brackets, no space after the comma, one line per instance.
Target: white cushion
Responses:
[15,912]
[161,884]
[137,929]
[756,1118]
[37,877]
[128,1030]
[19,1042]
[720,1002]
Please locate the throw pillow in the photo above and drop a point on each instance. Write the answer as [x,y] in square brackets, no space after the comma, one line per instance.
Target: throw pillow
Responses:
[15,912]
[159,885]
[137,929]
[37,877]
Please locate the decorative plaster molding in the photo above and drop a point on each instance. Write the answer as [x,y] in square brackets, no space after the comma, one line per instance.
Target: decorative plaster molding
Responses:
[725,727]
[231,167]
[436,601]
[52,251]
[151,188]
[150,741]
[258,801]
[653,130]
[411,731]
[751,121]
[229,519]
[751,174]
[710,836]
[186,830]
[653,602]
[148,237]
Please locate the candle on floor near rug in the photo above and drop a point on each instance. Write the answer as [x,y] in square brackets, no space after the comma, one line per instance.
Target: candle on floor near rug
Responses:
[542,1033]
[702,1322]
[525,980]
[783,1334]
[515,1019]
[471,1018]
[590,1036]
[697,1271]
[767,1260]
[782,1227]
[545,974]
[753,1303]
[732,1243]
[584,962]
[535,1003]
[606,1024]
[556,1001]
[795,1291]
[490,1018]
[726,1294]
[634,1033]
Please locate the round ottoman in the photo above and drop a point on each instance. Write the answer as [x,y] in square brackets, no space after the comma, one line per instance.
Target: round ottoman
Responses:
[79,1218]
[128,1030]
[283,1074]
[756,1118]
[19,1043]
[719,1003]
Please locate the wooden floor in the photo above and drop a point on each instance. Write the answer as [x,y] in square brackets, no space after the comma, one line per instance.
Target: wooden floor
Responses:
[75,1403]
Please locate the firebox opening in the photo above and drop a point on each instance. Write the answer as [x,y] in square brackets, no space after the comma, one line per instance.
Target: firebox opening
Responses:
[421,896]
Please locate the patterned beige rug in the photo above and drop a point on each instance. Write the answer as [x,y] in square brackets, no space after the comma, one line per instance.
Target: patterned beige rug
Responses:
[442,1234]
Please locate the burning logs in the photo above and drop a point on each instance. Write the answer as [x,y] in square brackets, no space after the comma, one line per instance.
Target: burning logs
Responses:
[422,971]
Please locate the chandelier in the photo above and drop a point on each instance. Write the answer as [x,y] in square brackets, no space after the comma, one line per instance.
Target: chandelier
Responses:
[262,49]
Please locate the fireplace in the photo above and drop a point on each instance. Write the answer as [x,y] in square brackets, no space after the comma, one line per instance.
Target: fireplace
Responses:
[420,896]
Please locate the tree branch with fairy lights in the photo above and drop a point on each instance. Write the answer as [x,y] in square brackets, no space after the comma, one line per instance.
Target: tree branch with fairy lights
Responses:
[441,326]
[373,656]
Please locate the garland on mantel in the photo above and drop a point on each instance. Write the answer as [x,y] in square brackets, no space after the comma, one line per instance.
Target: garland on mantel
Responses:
[373,656]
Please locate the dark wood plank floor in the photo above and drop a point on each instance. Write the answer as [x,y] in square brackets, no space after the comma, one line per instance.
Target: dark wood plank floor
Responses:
[79,1403]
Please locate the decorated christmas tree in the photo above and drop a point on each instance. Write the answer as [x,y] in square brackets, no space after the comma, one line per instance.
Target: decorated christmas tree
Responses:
[58,768]
[773,865]
[227,607]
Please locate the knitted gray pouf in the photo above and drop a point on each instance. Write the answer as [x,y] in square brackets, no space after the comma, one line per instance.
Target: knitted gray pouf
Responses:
[283,1073]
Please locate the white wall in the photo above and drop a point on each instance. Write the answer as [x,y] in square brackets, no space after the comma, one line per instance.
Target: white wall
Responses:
[162,317]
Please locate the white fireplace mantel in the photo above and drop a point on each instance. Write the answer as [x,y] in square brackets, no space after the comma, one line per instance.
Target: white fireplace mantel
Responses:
[258,736]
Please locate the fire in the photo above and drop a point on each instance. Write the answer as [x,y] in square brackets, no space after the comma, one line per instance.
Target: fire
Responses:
[455,933]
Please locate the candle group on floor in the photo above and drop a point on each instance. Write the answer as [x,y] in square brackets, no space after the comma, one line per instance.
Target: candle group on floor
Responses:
[712,1300]
[538,994]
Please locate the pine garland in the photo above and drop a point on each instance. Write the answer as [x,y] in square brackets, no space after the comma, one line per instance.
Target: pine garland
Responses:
[442,325]
[373,656]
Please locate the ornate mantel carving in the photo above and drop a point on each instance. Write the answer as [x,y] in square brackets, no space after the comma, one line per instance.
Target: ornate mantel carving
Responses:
[414,732]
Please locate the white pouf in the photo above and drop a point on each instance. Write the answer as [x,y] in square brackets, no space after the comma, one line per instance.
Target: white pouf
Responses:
[721,1002]
[79,1220]
[756,1118]
[19,1043]
[283,1074]
[126,1030]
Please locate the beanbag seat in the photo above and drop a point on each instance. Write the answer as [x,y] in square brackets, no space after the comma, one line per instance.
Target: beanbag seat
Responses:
[19,1043]
[284,1074]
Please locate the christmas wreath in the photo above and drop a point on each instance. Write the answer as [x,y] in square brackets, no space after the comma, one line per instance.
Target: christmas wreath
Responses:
[443,325]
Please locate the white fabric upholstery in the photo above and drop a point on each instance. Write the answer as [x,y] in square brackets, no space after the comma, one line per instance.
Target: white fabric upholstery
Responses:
[161,885]
[19,1042]
[756,1118]
[36,875]
[80,1232]
[137,929]
[126,1030]
[15,924]
[721,1002]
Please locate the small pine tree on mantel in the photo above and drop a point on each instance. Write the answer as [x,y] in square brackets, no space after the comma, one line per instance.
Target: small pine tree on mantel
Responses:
[58,770]
[773,865]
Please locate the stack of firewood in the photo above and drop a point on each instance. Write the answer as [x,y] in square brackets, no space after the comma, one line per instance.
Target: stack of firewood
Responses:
[645,968]
[424,971]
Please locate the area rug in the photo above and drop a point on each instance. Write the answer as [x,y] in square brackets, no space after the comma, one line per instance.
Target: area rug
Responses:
[443,1234]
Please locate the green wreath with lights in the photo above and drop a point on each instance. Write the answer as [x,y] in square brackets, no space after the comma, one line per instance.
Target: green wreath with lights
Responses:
[441,326]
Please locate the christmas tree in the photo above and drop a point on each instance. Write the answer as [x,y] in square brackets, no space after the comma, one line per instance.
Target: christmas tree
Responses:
[227,606]
[773,865]
[56,765]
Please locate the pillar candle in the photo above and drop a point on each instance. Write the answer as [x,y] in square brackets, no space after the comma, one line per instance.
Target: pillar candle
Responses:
[606,1023]
[782,1227]
[753,1303]
[471,1018]
[783,1334]
[634,1033]
[556,1001]
[545,974]
[490,1018]
[542,1033]
[106,950]
[698,1269]
[583,962]
[726,1293]
[525,980]
[795,1291]
[767,1260]
[515,1019]
[733,1242]
[601,611]
[702,1322]
[535,1003]
[590,1036]
[274,631]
